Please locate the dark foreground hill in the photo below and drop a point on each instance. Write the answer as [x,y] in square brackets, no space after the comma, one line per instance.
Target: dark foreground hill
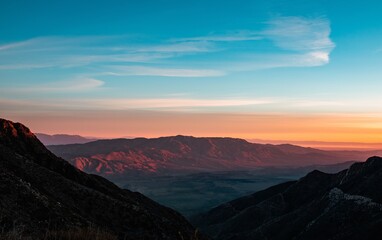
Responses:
[346,205]
[177,154]
[40,192]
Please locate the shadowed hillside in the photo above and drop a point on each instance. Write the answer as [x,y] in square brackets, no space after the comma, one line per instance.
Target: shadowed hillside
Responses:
[345,205]
[41,192]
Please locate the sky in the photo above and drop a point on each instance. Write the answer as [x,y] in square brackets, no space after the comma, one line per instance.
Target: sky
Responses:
[276,70]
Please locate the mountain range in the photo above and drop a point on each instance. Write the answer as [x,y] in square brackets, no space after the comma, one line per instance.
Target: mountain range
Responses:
[57,139]
[345,205]
[177,154]
[40,192]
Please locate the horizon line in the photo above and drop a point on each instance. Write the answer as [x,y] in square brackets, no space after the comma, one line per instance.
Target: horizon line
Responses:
[323,145]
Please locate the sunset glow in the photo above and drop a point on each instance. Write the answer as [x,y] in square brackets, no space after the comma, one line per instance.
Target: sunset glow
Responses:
[287,71]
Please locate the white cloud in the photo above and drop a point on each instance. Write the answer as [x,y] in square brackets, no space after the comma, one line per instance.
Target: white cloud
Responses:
[182,47]
[297,42]
[300,34]
[164,72]
[174,103]
[165,104]
[230,37]
[14,45]
[304,42]
[47,52]
[74,85]
[186,104]
[26,66]
[316,103]
[80,84]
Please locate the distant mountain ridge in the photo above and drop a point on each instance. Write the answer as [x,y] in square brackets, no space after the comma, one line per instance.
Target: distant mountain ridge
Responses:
[358,146]
[184,153]
[41,192]
[346,205]
[59,139]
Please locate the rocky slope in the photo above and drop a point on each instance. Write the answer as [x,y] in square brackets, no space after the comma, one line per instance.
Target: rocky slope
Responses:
[39,191]
[182,154]
[346,205]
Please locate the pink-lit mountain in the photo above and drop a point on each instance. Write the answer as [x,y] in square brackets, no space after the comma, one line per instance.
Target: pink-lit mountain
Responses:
[185,154]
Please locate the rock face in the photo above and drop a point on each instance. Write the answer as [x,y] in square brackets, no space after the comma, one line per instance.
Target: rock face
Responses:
[346,205]
[182,153]
[39,191]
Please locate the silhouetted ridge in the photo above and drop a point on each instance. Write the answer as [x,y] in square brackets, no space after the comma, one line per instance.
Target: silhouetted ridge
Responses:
[346,205]
[39,191]
[19,138]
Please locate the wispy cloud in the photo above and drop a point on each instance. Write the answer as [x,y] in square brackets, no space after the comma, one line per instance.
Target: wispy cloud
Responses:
[80,84]
[311,37]
[66,52]
[300,34]
[156,103]
[14,45]
[172,103]
[26,66]
[180,47]
[166,104]
[242,35]
[73,85]
[163,72]
[303,41]
[317,103]
[296,42]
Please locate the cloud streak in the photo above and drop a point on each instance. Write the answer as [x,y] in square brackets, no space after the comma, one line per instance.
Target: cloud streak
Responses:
[158,103]
[311,37]
[74,85]
[300,34]
[181,104]
[230,37]
[304,43]
[296,42]
[177,104]
[163,72]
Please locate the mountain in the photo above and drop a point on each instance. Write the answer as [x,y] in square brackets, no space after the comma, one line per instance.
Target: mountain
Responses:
[40,192]
[345,205]
[359,146]
[190,154]
[58,139]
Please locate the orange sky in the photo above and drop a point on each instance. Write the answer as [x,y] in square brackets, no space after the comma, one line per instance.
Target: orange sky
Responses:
[365,128]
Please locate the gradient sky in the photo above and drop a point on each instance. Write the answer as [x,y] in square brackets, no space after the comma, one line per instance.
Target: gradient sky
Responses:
[278,70]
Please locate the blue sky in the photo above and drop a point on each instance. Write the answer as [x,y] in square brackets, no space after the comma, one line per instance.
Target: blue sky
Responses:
[196,57]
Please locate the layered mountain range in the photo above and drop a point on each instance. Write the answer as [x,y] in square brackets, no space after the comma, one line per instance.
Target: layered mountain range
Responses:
[345,205]
[41,192]
[190,154]
[58,139]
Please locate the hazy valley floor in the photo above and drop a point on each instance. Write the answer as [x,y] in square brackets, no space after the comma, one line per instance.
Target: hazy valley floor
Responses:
[192,194]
